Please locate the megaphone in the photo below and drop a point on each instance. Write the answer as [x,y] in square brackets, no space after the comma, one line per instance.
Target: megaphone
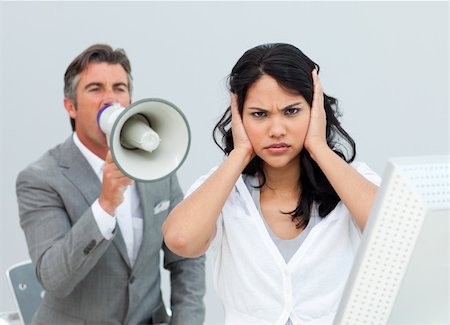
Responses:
[148,139]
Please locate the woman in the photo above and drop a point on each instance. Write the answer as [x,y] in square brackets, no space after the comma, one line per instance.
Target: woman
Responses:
[286,208]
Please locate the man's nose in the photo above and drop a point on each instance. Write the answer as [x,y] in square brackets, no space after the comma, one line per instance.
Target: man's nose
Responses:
[109,99]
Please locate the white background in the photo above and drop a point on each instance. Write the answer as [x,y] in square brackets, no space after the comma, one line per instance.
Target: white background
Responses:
[386,62]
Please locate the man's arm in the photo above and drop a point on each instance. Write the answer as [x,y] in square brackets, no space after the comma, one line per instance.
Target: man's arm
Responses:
[187,278]
[63,251]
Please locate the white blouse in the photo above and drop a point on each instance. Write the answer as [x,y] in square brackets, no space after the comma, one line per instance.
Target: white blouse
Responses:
[255,283]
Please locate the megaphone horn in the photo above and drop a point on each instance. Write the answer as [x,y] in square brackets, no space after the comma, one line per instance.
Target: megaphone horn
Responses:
[148,139]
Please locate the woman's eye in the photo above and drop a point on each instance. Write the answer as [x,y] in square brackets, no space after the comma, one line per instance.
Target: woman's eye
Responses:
[291,111]
[259,114]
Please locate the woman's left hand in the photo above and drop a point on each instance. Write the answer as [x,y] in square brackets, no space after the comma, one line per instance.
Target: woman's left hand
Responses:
[316,134]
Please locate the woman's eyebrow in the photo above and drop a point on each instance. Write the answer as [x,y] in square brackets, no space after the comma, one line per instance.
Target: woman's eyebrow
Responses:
[291,106]
[257,108]
[281,109]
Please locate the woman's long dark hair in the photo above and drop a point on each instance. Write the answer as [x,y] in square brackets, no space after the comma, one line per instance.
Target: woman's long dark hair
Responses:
[292,69]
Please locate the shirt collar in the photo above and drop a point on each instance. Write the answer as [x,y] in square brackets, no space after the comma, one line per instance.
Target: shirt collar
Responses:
[93,160]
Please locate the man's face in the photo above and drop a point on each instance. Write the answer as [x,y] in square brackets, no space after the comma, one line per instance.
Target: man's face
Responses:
[99,84]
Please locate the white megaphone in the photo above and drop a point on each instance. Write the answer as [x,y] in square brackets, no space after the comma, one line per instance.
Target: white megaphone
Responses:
[148,139]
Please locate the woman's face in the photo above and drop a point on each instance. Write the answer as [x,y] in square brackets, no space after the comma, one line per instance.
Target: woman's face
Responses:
[276,122]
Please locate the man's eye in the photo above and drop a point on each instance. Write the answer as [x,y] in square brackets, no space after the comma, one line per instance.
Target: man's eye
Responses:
[291,111]
[94,89]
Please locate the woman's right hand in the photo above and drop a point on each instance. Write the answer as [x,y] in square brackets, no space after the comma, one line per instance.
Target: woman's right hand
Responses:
[192,224]
[240,138]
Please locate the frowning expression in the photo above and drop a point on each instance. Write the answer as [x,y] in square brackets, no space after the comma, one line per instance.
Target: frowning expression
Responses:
[276,121]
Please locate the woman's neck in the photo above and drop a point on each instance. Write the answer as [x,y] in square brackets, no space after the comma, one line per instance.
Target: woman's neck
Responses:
[279,196]
[282,181]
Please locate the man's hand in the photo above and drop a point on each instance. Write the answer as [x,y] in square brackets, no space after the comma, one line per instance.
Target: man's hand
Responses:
[113,187]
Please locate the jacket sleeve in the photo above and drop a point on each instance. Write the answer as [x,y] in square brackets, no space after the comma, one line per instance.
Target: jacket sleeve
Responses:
[63,250]
[187,278]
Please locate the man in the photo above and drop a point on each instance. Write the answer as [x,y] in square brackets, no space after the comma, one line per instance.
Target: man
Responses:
[93,234]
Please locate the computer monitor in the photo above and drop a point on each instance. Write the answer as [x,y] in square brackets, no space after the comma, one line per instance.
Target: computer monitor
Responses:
[401,271]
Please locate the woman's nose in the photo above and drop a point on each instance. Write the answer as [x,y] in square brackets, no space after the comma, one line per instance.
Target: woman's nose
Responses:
[277,128]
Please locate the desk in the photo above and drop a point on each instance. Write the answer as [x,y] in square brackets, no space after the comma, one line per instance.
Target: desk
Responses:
[10,318]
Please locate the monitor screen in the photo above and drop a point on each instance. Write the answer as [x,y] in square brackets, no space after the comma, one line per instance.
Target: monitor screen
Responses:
[401,271]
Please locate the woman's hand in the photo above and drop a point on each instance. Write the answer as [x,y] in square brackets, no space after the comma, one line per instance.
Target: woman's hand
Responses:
[240,138]
[356,192]
[191,225]
[316,135]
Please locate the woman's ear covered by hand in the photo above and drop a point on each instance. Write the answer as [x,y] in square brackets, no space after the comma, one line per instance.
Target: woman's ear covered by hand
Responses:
[317,125]
[240,138]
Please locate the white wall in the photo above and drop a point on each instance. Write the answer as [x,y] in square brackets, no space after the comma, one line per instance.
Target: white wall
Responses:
[387,63]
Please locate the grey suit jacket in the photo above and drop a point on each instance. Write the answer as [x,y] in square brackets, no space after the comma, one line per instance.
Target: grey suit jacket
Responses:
[88,279]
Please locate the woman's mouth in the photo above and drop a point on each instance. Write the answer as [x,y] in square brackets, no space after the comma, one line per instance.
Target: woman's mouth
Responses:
[277,148]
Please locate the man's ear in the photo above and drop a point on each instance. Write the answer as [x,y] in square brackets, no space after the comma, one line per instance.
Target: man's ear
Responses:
[70,107]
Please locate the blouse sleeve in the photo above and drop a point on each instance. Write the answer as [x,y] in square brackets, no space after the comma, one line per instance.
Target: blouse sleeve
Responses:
[367,172]
[219,224]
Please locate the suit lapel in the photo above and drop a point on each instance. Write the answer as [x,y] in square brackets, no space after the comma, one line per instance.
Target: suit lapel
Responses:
[77,169]
[119,243]
[146,200]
